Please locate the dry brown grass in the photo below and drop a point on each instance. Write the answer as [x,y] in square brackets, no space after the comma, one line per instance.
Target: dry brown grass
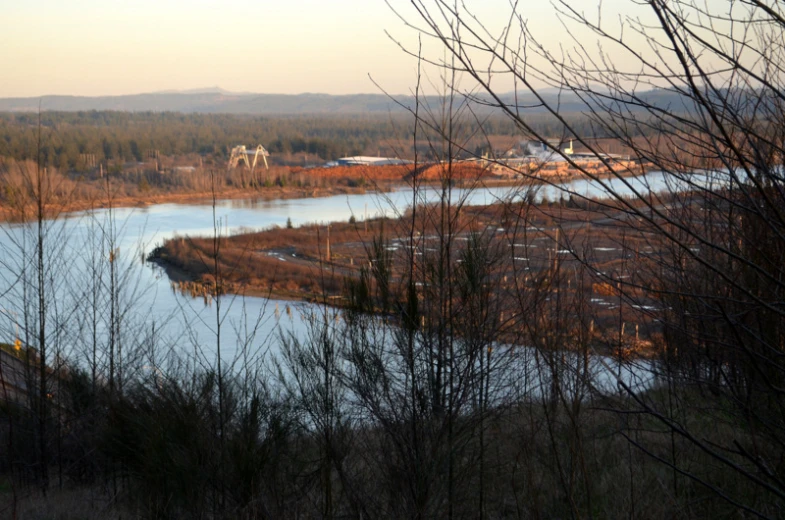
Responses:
[72,192]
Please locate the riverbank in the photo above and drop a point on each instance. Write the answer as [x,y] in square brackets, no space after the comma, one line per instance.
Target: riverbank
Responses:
[70,195]
[28,212]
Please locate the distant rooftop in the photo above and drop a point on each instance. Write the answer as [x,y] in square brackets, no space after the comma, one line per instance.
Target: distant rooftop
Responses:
[363,160]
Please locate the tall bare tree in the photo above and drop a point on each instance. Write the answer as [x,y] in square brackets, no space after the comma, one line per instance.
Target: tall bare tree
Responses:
[697,91]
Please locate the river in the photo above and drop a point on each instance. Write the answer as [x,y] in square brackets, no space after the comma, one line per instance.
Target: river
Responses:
[155,314]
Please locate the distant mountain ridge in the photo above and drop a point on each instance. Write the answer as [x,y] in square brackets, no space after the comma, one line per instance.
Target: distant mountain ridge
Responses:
[207,102]
[206,90]
[216,100]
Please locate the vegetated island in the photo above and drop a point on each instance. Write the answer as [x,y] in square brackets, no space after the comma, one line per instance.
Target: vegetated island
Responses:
[564,259]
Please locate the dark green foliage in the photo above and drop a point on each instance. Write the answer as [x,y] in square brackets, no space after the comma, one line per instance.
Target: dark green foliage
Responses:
[131,137]
[18,445]
[164,434]
[358,292]
[126,137]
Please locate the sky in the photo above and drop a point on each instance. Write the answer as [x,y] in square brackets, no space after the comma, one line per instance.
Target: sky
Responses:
[114,47]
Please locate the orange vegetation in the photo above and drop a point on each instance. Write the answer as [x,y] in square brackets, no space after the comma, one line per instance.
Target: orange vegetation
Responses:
[371,173]
[463,171]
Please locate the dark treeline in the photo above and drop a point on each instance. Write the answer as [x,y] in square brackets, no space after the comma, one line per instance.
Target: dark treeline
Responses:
[121,136]
[127,137]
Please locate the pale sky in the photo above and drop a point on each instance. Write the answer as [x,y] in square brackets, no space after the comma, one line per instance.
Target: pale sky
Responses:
[114,47]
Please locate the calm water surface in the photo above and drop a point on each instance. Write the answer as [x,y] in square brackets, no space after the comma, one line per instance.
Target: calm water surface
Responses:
[250,326]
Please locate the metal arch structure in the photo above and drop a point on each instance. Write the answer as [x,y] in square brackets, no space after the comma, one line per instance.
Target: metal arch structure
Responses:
[241,154]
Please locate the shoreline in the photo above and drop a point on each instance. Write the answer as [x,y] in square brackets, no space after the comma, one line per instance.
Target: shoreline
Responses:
[11,215]
[188,286]
[56,209]
[263,276]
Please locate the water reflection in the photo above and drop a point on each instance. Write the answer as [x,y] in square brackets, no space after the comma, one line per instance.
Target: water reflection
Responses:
[192,321]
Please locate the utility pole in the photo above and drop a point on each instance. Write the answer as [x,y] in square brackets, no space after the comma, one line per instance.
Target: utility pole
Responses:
[329,255]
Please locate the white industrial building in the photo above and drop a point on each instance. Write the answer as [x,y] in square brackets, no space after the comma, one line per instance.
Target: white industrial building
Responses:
[363,160]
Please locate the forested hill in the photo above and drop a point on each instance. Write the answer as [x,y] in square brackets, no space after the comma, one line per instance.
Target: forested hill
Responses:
[221,101]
